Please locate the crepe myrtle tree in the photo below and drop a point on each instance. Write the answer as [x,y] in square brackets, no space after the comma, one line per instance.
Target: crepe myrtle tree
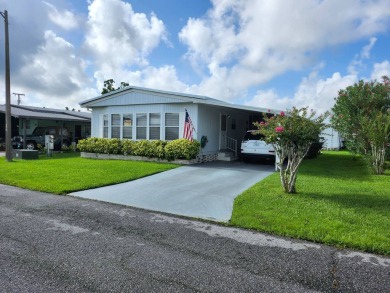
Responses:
[377,132]
[291,135]
[361,115]
[354,106]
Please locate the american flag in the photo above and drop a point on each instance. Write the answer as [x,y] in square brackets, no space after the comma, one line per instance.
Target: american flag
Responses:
[188,128]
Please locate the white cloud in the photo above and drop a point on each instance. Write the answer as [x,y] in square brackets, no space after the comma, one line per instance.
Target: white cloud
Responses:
[119,38]
[54,73]
[380,69]
[358,62]
[313,92]
[271,100]
[163,78]
[64,19]
[240,44]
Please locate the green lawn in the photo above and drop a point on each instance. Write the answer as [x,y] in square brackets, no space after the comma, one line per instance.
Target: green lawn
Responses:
[339,202]
[64,173]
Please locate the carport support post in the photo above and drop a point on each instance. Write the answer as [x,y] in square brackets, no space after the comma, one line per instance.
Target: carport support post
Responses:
[62,134]
[24,120]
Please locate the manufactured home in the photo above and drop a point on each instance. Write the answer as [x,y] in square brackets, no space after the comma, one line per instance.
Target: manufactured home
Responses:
[141,113]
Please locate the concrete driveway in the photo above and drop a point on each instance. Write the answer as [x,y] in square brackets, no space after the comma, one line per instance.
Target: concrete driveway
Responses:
[204,191]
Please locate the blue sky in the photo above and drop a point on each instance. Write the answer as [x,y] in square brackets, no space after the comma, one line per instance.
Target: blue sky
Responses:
[271,53]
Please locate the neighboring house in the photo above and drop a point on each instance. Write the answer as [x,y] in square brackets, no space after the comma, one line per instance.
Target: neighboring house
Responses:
[139,113]
[25,119]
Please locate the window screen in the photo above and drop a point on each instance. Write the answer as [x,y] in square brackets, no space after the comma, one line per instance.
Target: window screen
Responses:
[154,125]
[105,126]
[142,120]
[171,126]
[127,126]
[115,126]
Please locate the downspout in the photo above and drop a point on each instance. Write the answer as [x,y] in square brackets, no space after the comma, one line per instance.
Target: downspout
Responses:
[62,133]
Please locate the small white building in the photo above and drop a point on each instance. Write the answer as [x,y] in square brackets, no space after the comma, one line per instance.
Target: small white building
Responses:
[139,113]
[332,139]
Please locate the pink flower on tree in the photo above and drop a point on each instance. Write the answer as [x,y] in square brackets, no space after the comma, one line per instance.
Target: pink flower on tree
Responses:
[279,129]
[282,113]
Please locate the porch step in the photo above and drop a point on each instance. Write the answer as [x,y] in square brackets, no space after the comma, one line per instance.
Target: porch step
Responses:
[226,156]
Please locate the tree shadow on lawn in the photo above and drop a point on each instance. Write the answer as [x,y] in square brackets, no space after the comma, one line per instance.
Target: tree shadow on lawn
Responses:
[348,170]
[357,201]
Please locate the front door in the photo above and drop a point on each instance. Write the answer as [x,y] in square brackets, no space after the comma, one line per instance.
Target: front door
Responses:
[222,132]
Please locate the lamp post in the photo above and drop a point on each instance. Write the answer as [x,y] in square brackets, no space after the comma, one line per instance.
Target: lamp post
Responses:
[8,128]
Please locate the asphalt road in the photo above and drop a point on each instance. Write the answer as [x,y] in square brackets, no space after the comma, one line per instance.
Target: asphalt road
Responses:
[64,244]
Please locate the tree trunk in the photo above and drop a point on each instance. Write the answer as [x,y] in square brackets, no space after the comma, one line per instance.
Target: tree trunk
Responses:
[288,175]
[378,159]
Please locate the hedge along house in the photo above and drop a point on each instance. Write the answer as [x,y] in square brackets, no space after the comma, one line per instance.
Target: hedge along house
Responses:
[26,118]
[140,113]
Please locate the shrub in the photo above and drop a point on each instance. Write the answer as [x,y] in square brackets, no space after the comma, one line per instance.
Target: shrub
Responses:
[182,149]
[67,149]
[142,148]
[100,145]
[315,149]
[128,147]
[176,149]
[157,148]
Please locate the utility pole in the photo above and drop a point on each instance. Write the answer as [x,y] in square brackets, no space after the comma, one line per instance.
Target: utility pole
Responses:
[17,94]
[8,129]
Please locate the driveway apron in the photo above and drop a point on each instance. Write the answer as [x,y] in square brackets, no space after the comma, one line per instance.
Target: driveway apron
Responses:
[204,191]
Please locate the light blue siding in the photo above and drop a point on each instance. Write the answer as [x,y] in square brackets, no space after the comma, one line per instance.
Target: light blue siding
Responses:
[136,98]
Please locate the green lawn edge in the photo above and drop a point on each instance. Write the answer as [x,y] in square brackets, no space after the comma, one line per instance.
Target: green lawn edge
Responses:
[339,202]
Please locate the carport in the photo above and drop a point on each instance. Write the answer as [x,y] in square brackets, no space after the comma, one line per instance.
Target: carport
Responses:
[26,118]
[204,191]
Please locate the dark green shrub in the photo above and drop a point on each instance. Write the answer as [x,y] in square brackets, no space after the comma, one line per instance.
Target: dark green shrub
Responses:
[315,149]
[182,149]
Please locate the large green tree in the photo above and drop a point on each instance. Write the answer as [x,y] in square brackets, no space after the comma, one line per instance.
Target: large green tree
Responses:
[291,135]
[360,114]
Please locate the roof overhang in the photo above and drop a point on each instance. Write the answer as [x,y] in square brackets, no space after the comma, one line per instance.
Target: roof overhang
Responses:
[26,112]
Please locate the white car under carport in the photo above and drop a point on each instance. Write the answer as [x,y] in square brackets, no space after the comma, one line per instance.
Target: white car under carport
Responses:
[253,146]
